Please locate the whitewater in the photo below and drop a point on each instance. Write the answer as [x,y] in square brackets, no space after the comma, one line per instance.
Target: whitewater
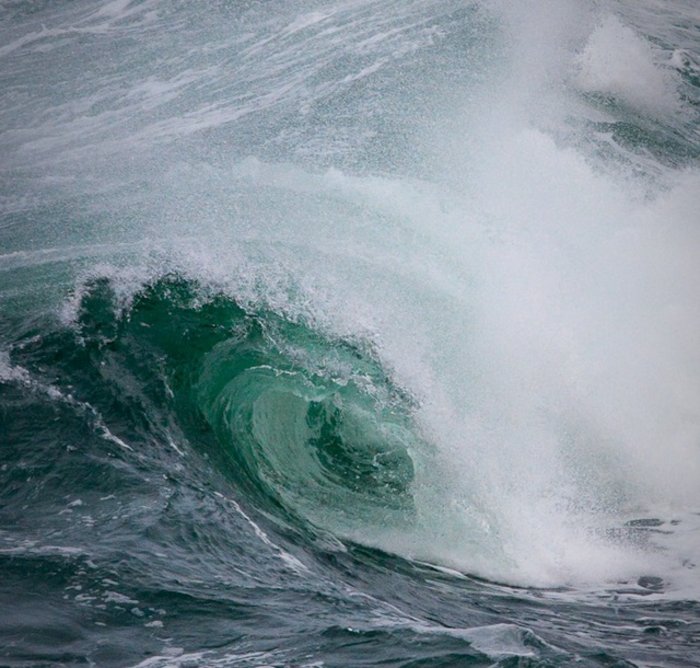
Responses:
[350,333]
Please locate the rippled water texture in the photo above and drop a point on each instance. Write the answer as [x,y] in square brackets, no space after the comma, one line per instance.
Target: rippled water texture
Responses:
[349,333]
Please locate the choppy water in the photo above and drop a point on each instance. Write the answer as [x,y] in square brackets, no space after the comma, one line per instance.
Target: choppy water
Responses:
[350,333]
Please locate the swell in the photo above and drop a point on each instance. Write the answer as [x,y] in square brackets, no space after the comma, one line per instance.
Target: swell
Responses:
[310,429]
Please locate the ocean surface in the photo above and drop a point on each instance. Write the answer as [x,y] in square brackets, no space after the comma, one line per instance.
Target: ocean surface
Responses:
[350,333]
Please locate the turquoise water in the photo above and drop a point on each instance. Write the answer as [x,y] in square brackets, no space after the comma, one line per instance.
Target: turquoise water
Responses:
[349,333]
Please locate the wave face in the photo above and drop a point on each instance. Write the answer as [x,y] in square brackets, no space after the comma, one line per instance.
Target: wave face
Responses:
[349,333]
[311,427]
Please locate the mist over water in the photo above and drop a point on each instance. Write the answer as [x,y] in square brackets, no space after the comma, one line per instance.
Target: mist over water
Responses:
[414,280]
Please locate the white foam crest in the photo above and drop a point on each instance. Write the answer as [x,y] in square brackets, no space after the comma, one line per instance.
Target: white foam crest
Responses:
[125,281]
[565,397]
[576,393]
[618,62]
